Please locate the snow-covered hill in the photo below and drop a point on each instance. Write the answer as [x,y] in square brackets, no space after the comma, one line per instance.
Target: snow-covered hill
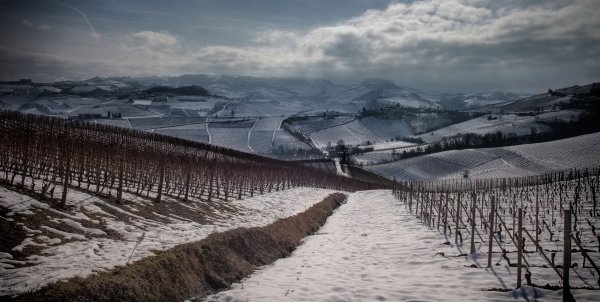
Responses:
[375,93]
[513,161]
[461,101]
[325,93]
[509,124]
[550,100]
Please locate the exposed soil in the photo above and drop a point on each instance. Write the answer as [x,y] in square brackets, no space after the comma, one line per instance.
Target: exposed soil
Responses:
[12,234]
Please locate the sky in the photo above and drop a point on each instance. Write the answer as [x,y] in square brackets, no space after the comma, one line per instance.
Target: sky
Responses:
[443,45]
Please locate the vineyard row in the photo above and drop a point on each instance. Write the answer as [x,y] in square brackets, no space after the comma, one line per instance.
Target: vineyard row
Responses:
[49,155]
[529,223]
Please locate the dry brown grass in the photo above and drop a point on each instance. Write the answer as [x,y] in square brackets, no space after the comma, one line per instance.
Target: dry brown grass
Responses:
[194,269]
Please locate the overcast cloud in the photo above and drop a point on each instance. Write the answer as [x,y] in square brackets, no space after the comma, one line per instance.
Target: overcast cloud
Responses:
[433,44]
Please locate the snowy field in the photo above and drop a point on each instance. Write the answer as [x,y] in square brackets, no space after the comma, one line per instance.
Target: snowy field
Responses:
[163,122]
[318,123]
[262,134]
[509,124]
[384,152]
[287,141]
[353,133]
[230,133]
[533,103]
[513,161]
[387,128]
[373,158]
[355,130]
[390,145]
[267,107]
[71,243]
[193,132]
[201,105]
[372,249]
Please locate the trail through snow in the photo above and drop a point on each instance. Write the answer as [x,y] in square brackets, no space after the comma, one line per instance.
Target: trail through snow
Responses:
[248,138]
[338,168]
[208,131]
[372,249]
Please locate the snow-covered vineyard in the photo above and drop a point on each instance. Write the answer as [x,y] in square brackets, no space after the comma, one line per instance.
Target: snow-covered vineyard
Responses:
[45,155]
[381,245]
[448,241]
[513,161]
[79,198]
[553,216]
[375,249]
[300,150]
[496,239]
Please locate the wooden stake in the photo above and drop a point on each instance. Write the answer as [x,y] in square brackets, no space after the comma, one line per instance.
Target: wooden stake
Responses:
[120,186]
[473,209]
[161,177]
[188,175]
[491,223]
[519,247]
[446,215]
[66,175]
[537,216]
[431,222]
[567,256]
[457,218]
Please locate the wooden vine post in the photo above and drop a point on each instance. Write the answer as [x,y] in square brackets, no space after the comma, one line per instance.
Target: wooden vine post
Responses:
[121,167]
[567,256]
[66,174]
[537,217]
[161,176]
[473,209]
[457,219]
[446,215]
[188,175]
[491,223]
[519,247]
[417,198]
[431,201]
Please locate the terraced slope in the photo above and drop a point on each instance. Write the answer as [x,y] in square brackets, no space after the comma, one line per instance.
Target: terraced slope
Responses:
[521,160]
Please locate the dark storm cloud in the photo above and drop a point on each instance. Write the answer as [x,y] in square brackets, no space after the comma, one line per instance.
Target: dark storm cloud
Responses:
[448,45]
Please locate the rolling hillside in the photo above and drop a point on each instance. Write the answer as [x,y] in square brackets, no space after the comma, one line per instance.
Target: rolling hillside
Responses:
[509,124]
[513,161]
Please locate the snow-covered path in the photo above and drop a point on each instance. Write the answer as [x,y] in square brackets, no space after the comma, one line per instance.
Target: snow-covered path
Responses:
[338,168]
[371,249]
